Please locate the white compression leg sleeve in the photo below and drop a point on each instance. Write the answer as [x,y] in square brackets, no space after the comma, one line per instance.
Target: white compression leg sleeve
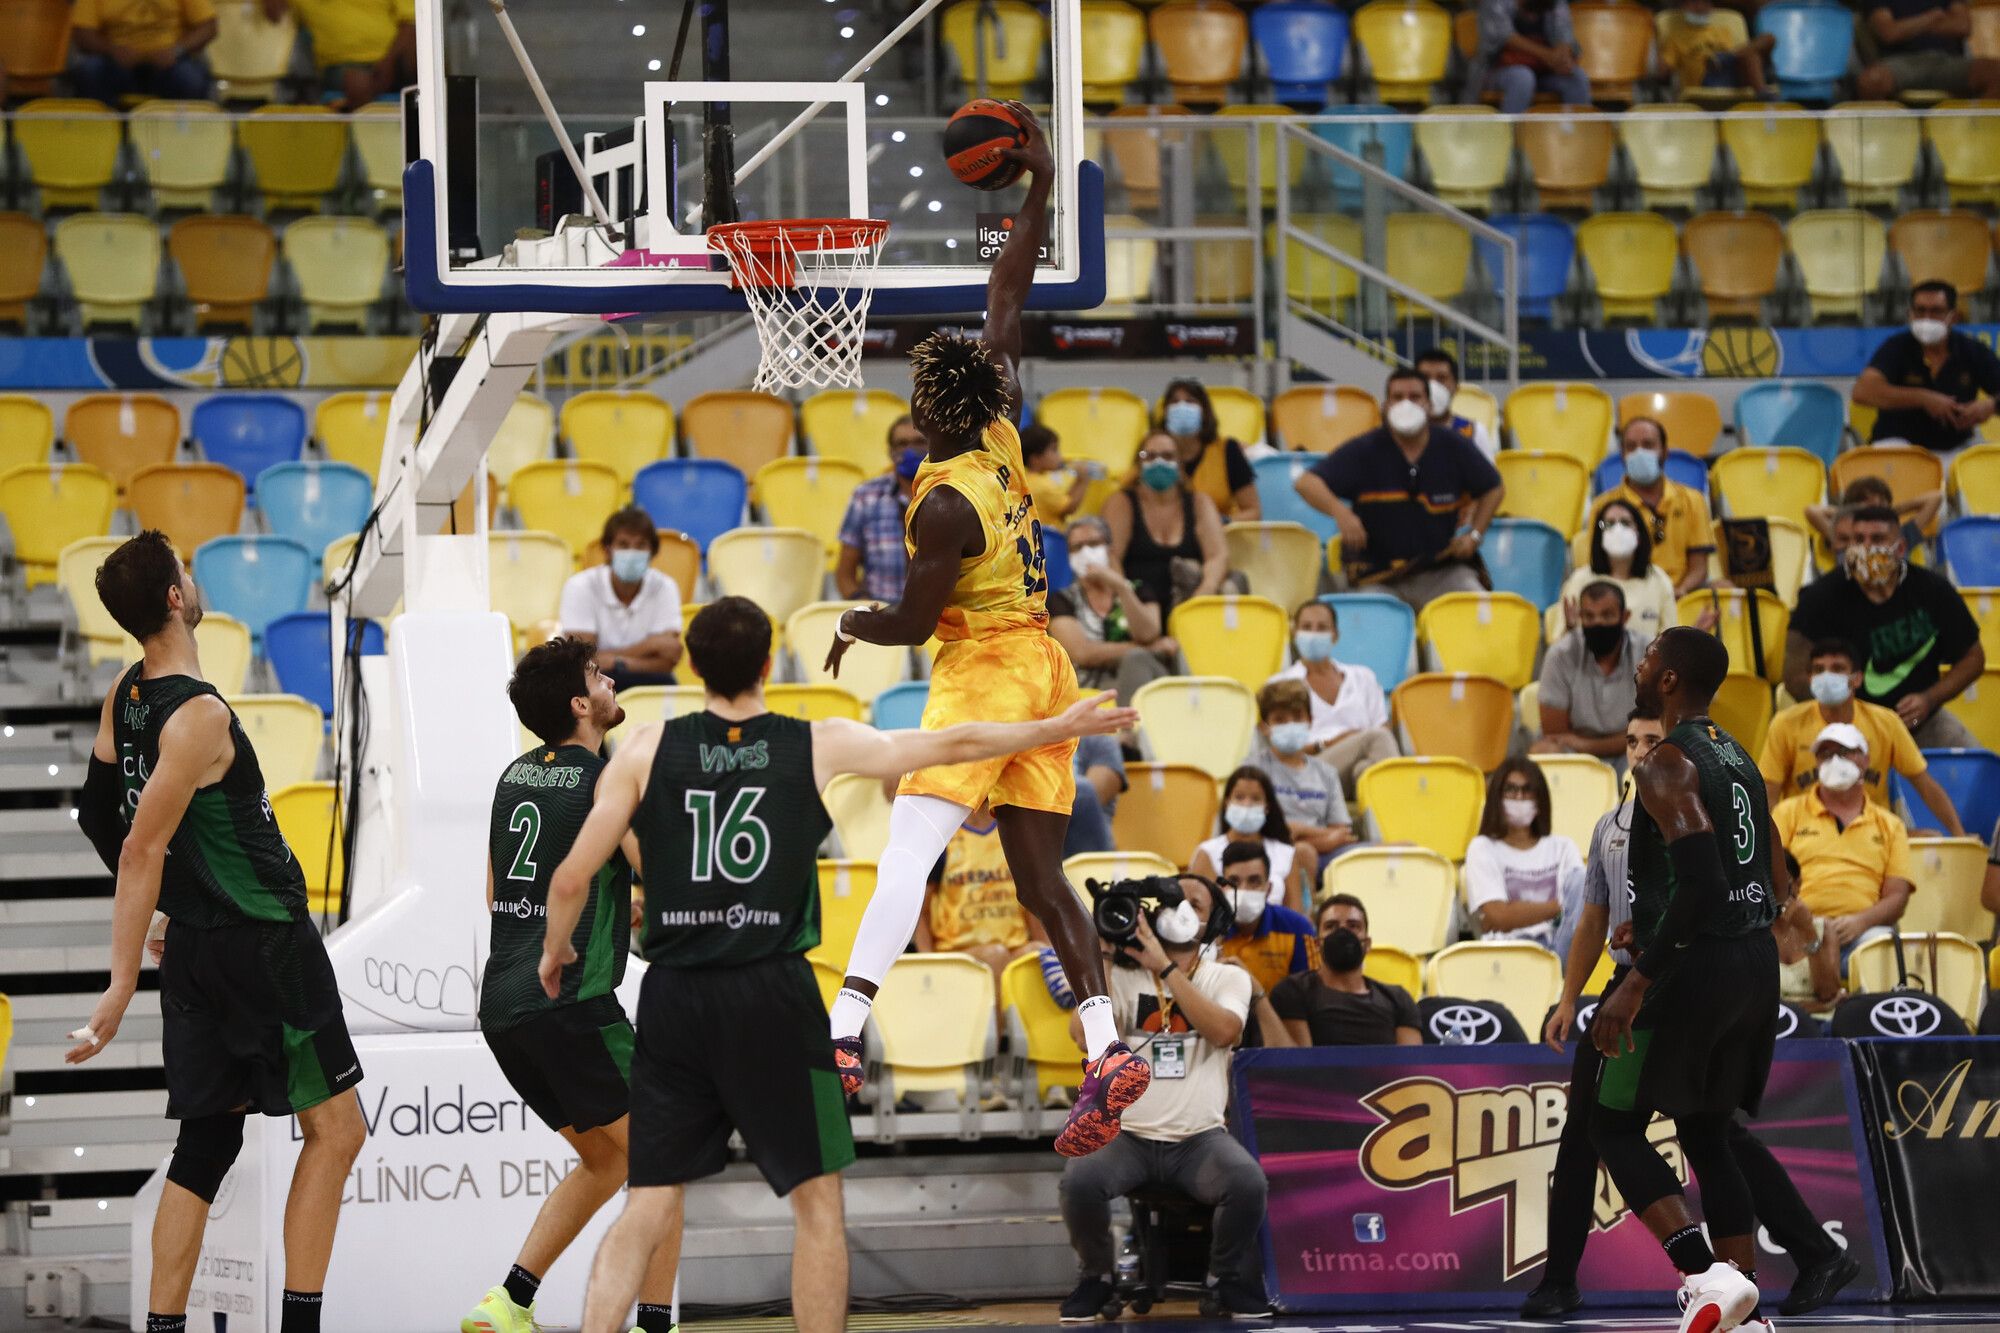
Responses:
[919,828]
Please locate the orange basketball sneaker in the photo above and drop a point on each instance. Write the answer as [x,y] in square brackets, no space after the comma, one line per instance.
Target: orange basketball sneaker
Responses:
[1111,1082]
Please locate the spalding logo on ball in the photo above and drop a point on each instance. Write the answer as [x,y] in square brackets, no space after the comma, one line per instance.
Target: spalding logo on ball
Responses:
[976,140]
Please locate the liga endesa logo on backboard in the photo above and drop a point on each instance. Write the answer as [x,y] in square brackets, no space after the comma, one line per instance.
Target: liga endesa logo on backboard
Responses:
[1488,1145]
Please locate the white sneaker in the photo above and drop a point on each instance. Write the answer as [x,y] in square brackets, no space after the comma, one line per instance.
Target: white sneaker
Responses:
[1715,1301]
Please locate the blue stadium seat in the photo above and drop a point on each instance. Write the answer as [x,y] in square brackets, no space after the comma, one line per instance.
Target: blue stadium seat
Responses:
[1815,38]
[1281,502]
[1395,140]
[1971,549]
[315,504]
[703,497]
[1304,46]
[1799,413]
[1526,557]
[249,432]
[255,579]
[1376,631]
[1544,247]
[1055,554]
[299,648]
[901,707]
[1970,777]
[1682,467]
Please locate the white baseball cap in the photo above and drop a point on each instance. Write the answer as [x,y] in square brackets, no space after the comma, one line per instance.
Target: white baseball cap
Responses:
[1844,734]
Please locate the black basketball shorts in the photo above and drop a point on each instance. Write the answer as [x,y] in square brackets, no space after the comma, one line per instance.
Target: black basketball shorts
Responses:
[572,1064]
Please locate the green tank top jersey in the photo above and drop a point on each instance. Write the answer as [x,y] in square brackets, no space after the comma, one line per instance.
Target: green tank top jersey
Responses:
[729,833]
[538,809]
[1732,791]
[227,863]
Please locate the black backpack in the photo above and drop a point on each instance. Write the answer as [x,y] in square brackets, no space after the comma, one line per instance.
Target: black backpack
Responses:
[1447,1021]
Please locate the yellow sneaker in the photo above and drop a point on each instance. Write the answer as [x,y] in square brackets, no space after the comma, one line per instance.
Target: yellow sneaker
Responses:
[498,1314]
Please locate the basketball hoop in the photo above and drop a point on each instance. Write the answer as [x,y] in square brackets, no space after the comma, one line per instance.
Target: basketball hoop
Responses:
[808,282]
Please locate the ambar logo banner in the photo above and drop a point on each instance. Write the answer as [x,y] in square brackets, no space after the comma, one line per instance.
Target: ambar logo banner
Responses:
[1934,1111]
[1417,1177]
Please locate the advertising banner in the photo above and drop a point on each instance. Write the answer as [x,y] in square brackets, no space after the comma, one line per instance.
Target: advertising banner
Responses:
[1934,1107]
[1417,1177]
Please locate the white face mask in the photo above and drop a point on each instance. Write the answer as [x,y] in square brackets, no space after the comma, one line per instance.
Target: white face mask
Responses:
[1244,818]
[1929,332]
[1179,924]
[1838,772]
[1520,813]
[1620,540]
[1440,399]
[1831,688]
[1248,904]
[1406,418]
[629,566]
[1084,559]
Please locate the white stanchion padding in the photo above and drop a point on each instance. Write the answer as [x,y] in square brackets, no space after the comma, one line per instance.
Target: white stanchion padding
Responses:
[449,1181]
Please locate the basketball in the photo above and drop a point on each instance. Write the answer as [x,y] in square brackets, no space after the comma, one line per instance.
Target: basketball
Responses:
[974,139]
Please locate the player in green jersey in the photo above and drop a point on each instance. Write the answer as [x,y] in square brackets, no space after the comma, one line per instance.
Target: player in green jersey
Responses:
[1689,1031]
[568,1055]
[250,1015]
[732,1032]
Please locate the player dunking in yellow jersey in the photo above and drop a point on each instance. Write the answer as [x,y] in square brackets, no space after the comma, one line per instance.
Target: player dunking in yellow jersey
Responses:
[977,581]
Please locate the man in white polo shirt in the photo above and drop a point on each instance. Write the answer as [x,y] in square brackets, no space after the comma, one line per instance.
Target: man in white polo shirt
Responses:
[628,609]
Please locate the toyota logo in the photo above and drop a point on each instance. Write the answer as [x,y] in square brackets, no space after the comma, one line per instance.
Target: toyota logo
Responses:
[1465,1025]
[1788,1022]
[1904,1016]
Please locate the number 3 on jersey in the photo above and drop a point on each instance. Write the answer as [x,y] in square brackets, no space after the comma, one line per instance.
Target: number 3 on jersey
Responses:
[740,846]
[1745,836]
[1034,562]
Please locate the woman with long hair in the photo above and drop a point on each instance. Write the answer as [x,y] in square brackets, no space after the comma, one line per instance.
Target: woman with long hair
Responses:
[1516,868]
[1251,813]
[1621,550]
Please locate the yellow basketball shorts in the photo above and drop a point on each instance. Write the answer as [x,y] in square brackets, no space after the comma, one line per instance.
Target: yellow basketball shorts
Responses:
[1007,678]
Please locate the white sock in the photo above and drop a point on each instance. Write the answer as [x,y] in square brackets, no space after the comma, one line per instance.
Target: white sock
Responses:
[1099,1031]
[919,828]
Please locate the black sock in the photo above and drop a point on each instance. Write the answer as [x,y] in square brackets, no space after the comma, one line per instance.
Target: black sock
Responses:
[1688,1251]
[300,1312]
[521,1286]
[166,1323]
[655,1318]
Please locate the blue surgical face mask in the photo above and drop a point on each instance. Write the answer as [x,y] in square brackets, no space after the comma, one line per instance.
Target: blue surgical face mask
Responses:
[1290,737]
[1831,688]
[1314,645]
[907,463]
[1183,418]
[1159,474]
[1643,466]
[629,566]
[1244,818]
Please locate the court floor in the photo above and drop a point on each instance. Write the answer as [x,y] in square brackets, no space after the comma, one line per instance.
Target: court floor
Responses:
[1180,1317]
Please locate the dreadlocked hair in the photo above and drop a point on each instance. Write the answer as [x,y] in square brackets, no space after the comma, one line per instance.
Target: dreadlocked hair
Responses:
[958,388]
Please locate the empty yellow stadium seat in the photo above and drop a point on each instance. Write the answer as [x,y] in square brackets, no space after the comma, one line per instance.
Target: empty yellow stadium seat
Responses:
[49,505]
[1492,634]
[1736,257]
[1524,977]
[1570,159]
[225,647]
[1877,155]
[1948,966]
[1104,867]
[935,1016]
[828,978]
[1113,47]
[1840,251]
[1947,243]
[1239,413]
[351,428]
[1968,150]
[524,437]
[852,425]
[1978,708]
[378,142]
[1013,36]
[1393,967]
[340,264]
[27,431]
[1135,153]
[1242,638]
[1201,45]
[813,703]
[226,266]
[1582,788]
[845,886]
[285,731]
[1984,604]
[645,704]
[1311,278]
[1949,873]
[190,502]
[71,148]
[1774,156]
[1459,716]
[1733,626]
[185,148]
[308,815]
[1631,258]
[1768,483]
[1280,560]
[1477,405]
[1408,892]
[1562,418]
[622,430]
[1427,252]
[1672,151]
[1975,479]
[1693,422]
[1103,426]
[738,426]
[297,153]
[866,669]
[568,497]
[113,262]
[780,569]
[1433,802]
[1469,149]
[1043,1050]
[1167,809]
[76,574]
[860,812]
[1236,143]
[1203,721]
[1616,40]
[525,575]
[809,493]
[1319,418]
[121,432]
[1408,43]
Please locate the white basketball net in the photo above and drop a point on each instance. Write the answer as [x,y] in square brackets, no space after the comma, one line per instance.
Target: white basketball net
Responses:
[808,284]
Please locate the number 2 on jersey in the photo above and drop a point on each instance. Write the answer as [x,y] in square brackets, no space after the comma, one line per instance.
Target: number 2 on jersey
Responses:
[526,819]
[739,846]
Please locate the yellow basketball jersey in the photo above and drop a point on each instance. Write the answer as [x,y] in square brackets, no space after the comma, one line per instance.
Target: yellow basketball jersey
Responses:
[1004,588]
[974,902]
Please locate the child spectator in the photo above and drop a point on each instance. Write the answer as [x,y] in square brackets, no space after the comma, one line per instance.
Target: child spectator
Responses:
[1308,787]
[1056,488]
[1705,54]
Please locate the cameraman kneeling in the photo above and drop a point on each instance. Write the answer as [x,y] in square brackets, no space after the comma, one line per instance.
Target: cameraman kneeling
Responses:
[1192,1012]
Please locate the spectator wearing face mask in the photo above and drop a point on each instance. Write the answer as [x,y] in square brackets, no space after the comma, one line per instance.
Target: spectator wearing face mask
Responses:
[1252,816]
[1516,869]
[1788,762]
[873,560]
[1308,788]
[1165,535]
[1853,855]
[1268,940]
[1835,522]
[1621,552]
[1397,494]
[630,611]
[1441,369]
[1350,714]
[1337,1004]
[1925,381]
[1682,535]
[1919,645]
[1213,464]
[1111,633]
[1587,682]
[1056,488]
